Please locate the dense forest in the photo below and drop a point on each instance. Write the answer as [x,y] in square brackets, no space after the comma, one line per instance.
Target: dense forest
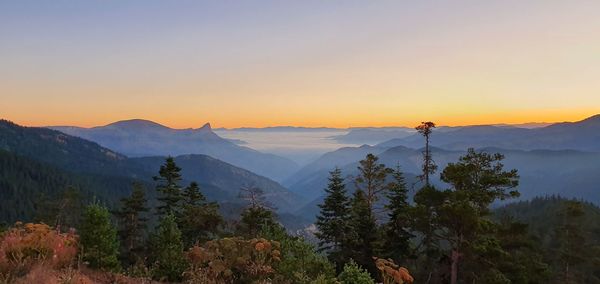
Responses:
[370,228]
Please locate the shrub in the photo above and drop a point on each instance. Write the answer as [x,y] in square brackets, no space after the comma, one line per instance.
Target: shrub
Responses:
[233,260]
[26,245]
[354,274]
[392,273]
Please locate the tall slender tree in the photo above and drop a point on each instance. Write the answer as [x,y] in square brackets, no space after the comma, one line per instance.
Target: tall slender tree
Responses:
[429,166]
[333,219]
[363,240]
[397,232]
[570,243]
[371,179]
[132,225]
[169,188]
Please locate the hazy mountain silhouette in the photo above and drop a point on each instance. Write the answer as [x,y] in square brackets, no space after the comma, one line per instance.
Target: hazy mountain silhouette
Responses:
[138,138]
[582,135]
[109,174]
[568,173]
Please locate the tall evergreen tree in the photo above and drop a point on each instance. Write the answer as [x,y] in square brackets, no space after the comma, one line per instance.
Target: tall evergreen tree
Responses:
[362,241]
[98,238]
[132,225]
[570,241]
[333,220]
[199,219]
[429,166]
[397,232]
[477,180]
[372,179]
[169,188]
[167,247]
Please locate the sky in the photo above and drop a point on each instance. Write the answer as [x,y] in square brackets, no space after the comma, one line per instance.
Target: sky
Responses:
[336,63]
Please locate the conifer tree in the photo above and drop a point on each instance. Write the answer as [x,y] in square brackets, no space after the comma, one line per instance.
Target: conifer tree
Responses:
[372,179]
[199,219]
[169,188]
[429,166]
[333,219]
[132,225]
[167,248]
[98,237]
[362,241]
[397,233]
[257,216]
[571,243]
[477,180]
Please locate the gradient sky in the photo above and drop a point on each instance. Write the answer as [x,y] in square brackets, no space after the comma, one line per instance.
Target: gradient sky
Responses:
[306,63]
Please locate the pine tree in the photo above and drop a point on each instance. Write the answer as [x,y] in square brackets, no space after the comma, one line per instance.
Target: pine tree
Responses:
[168,187]
[333,219]
[167,248]
[429,166]
[98,237]
[132,225]
[477,180]
[362,241]
[199,219]
[372,179]
[254,220]
[571,243]
[397,233]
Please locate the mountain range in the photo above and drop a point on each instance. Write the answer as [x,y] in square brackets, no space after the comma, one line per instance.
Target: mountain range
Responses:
[139,138]
[54,160]
[582,135]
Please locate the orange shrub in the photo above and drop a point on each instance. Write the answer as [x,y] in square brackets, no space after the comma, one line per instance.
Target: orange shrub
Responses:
[233,259]
[29,244]
[392,273]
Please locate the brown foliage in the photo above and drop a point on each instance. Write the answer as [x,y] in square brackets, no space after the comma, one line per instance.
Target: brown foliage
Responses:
[392,273]
[27,245]
[232,260]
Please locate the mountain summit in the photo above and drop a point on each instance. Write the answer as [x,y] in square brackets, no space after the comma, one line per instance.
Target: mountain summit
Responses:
[139,138]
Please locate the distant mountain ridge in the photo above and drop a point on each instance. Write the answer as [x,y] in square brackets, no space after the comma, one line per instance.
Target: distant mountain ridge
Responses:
[568,173]
[582,135]
[139,138]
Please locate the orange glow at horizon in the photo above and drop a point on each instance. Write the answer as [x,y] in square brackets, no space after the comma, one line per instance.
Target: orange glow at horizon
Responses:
[305,63]
[540,116]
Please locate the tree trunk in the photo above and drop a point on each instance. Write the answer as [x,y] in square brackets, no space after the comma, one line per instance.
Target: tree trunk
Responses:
[454,267]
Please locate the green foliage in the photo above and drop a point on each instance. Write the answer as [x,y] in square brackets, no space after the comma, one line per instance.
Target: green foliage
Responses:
[199,219]
[168,187]
[334,218]
[576,256]
[257,217]
[354,274]
[300,263]
[397,233]
[364,233]
[167,249]
[132,225]
[98,237]
[371,179]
